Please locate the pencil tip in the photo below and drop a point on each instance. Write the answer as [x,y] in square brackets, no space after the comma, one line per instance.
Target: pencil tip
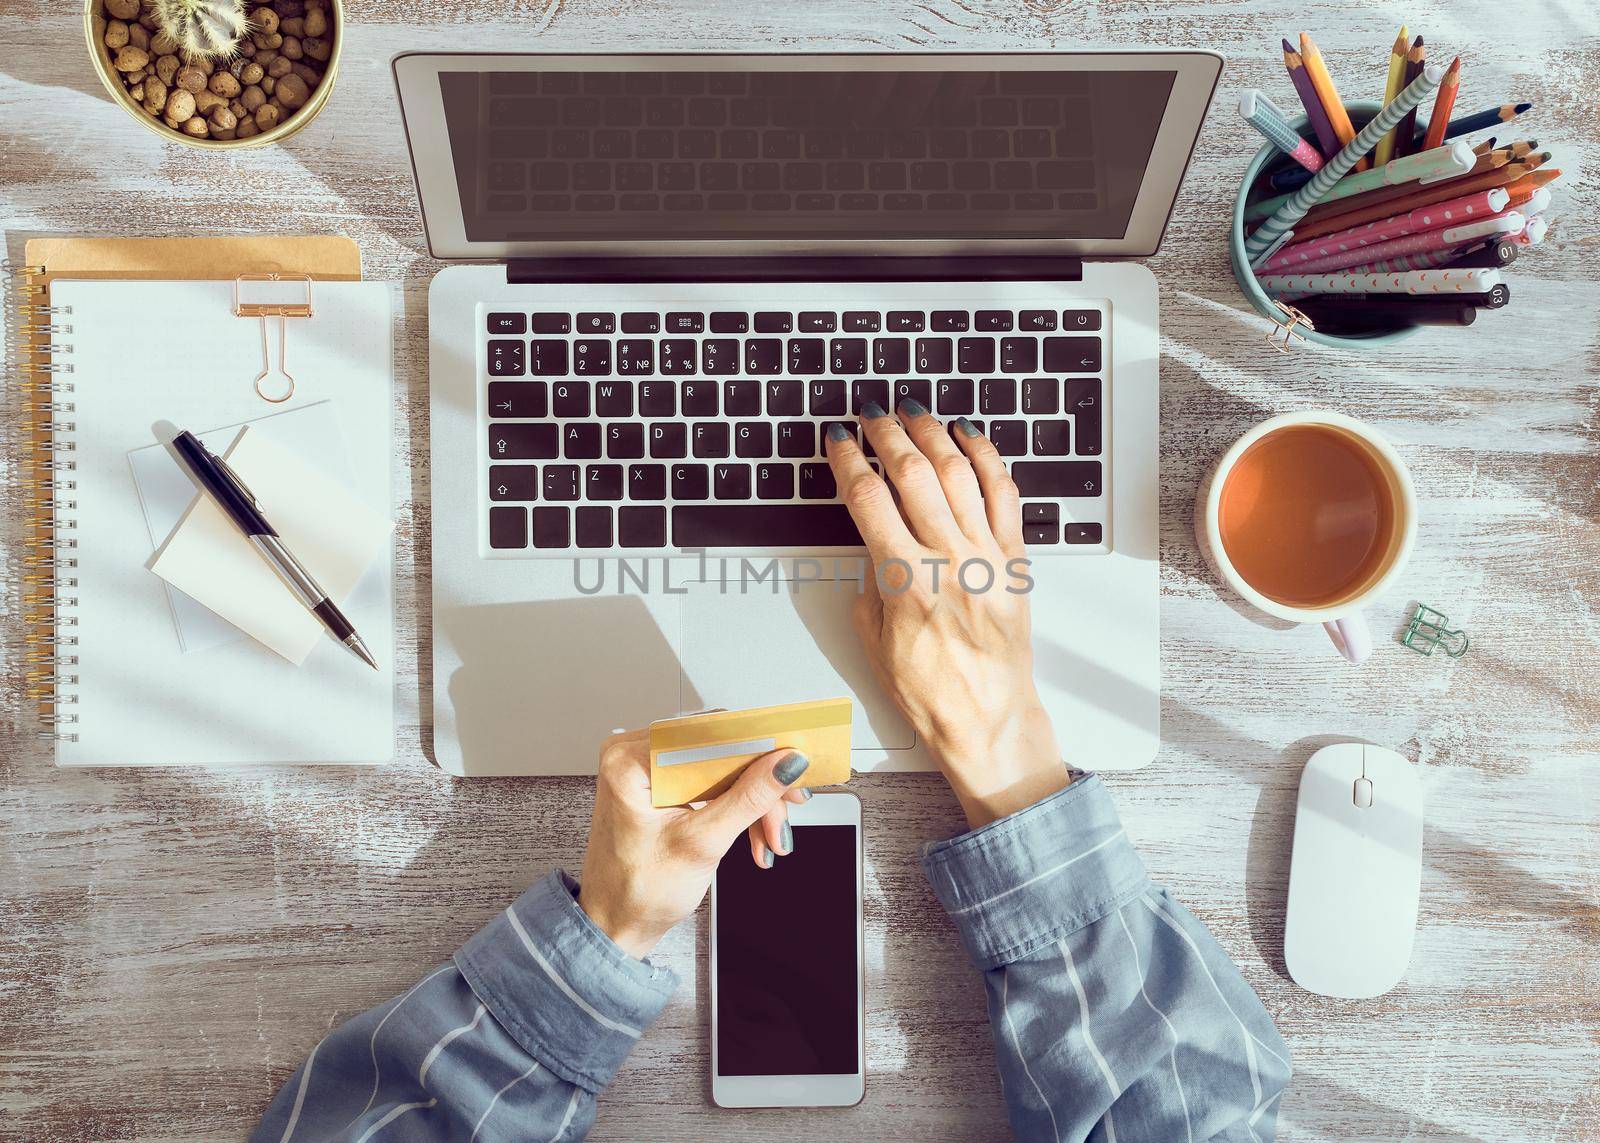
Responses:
[1287,46]
[1521,107]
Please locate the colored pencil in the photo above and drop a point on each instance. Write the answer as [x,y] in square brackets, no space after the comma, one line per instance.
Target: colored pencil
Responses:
[1328,95]
[1393,200]
[1483,120]
[1454,212]
[1271,231]
[1427,242]
[1501,252]
[1442,105]
[1264,115]
[1484,147]
[1441,163]
[1356,314]
[1327,139]
[1410,282]
[1392,88]
[1536,159]
[1405,141]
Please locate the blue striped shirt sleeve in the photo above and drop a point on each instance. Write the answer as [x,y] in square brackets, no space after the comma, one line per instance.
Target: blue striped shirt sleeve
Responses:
[1115,1012]
[512,1040]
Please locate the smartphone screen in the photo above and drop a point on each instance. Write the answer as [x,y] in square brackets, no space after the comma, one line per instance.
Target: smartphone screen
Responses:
[786,958]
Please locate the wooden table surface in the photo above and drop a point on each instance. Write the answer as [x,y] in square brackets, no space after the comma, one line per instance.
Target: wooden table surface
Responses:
[172,944]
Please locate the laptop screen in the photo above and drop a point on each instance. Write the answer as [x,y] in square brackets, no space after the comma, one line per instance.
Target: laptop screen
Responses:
[802,155]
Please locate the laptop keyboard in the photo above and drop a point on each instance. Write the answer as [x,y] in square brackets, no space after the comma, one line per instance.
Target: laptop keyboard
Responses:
[661,429]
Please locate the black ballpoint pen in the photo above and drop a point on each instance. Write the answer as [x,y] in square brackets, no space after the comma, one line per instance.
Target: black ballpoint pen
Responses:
[235,499]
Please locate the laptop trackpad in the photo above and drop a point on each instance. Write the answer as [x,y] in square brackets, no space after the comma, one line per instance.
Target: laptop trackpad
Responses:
[763,647]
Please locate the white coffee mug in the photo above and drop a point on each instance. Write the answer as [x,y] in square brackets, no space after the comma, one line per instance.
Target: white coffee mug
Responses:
[1343,621]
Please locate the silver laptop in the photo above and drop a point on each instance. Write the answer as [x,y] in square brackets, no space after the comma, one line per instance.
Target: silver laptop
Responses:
[682,269]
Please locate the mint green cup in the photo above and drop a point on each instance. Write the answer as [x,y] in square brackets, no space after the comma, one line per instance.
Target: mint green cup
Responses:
[1360,111]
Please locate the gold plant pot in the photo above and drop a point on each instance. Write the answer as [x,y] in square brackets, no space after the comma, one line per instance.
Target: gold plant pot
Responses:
[94,28]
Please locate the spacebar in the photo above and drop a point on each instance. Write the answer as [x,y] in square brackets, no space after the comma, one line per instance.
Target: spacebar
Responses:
[763,526]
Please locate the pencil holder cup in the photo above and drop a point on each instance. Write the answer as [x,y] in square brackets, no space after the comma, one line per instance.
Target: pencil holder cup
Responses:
[1260,166]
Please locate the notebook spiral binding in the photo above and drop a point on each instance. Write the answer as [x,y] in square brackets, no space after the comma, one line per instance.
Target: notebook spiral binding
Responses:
[36,378]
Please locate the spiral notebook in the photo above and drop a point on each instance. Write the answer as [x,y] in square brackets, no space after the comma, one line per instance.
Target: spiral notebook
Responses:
[101,363]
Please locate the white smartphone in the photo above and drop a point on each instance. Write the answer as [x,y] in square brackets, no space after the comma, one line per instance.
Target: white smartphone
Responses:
[788,968]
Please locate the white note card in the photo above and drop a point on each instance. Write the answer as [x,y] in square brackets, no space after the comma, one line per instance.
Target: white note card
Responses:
[327,527]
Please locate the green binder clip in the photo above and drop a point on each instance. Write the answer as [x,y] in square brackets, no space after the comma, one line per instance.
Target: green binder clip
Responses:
[1429,629]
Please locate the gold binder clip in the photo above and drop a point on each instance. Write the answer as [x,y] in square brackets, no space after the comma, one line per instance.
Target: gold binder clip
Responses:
[280,310]
[1283,344]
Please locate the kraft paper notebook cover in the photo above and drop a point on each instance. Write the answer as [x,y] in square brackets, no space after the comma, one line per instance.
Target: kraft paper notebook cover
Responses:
[96,370]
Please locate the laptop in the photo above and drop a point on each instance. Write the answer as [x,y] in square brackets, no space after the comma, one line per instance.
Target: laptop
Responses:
[676,270]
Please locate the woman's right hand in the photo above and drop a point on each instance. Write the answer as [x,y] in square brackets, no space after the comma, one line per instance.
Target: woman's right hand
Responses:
[944,611]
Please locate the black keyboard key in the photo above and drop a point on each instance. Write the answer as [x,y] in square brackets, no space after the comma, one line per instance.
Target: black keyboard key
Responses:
[808,356]
[993,320]
[763,526]
[741,398]
[863,391]
[613,399]
[686,323]
[818,321]
[591,358]
[975,355]
[1019,354]
[524,442]
[1052,438]
[934,355]
[913,389]
[594,527]
[851,429]
[1057,477]
[732,482]
[552,323]
[1041,395]
[891,354]
[513,482]
[641,526]
[719,356]
[949,321]
[641,323]
[508,323]
[1037,321]
[771,321]
[1083,533]
[785,398]
[955,397]
[1041,533]
[797,439]
[699,398]
[1010,438]
[1072,354]
[763,356]
[862,321]
[817,482]
[709,439]
[905,321]
[826,398]
[636,357]
[691,482]
[647,482]
[547,358]
[603,482]
[848,354]
[581,441]
[669,440]
[957,435]
[597,323]
[552,527]
[518,399]
[679,357]
[506,358]
[775,481]
[752,439]
[1080,319]
[997,396]
[658,399]
[729,321]
[1041,513]
[1082,400]
[571,399]
[508,527]
[560,482]
[625,441]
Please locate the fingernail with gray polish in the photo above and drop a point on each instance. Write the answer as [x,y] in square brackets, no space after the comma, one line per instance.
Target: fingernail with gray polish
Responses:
[837,432]
[966,426]
[788,771]
[872,411]
[767,858]
[912,407]
[786,838]
[805,795]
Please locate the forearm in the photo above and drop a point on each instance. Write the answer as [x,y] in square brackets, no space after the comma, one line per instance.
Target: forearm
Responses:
[511,1040]
[1109,1001]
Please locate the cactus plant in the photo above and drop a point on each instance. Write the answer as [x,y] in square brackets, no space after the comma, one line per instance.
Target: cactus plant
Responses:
[203,29]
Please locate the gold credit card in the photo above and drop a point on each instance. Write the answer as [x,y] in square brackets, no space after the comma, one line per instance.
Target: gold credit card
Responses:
[698,756]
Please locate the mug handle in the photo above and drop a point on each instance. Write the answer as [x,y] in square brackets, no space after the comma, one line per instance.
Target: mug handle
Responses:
[1351,636]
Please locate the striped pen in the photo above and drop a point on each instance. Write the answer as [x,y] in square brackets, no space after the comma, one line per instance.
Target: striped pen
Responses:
[1427,261]
[1424,218]
[1302,200]
[1423,168]
[1509,223]
[1262,114]
[1446,281]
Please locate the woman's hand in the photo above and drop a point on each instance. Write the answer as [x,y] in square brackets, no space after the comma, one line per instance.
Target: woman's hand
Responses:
[647,868]
[944,613]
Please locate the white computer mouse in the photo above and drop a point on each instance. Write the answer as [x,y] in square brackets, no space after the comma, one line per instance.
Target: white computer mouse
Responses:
[1356,873]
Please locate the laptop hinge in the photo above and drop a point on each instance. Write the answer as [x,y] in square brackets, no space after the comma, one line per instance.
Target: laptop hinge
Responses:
[799,268]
